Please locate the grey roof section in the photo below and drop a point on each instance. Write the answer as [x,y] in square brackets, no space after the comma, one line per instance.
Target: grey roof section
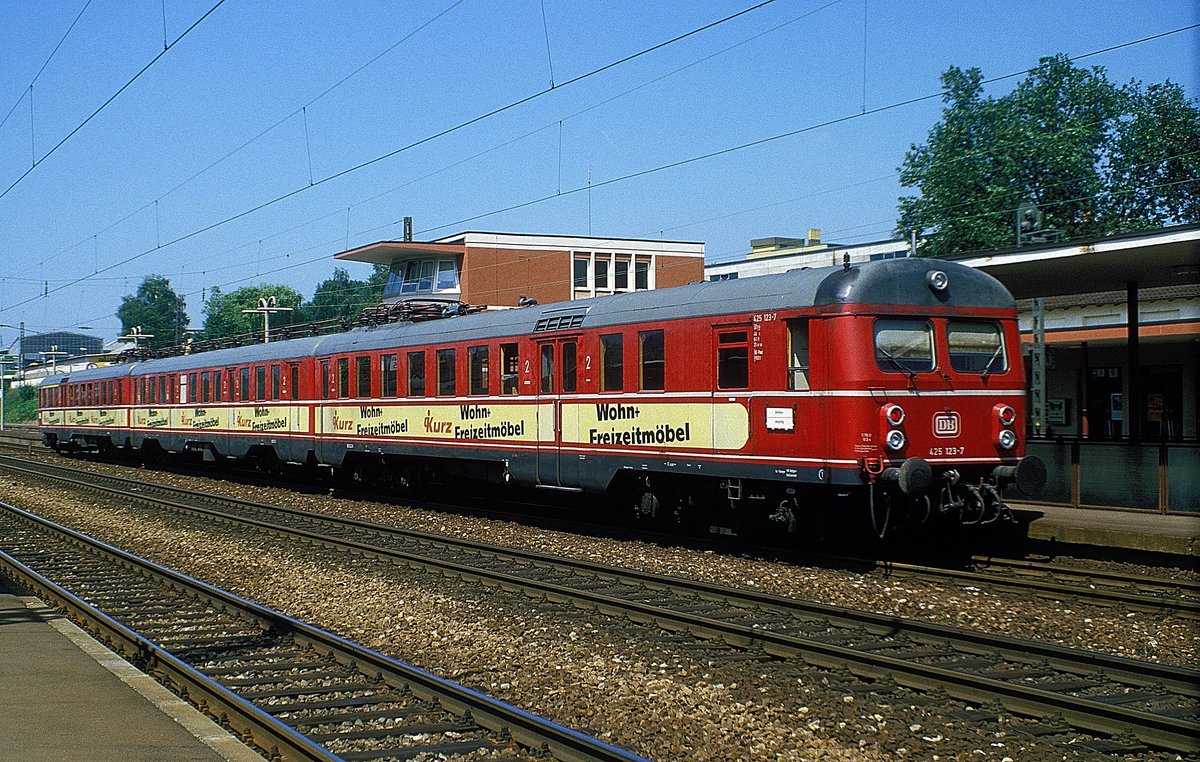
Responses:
[887,282]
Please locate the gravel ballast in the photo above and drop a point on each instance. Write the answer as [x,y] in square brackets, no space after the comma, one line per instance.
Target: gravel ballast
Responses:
[661,695]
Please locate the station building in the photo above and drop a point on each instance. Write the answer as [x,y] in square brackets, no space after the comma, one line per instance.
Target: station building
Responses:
[501,269]
[1111,328]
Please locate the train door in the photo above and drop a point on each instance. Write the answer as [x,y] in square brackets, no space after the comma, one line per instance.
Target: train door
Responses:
[557,375]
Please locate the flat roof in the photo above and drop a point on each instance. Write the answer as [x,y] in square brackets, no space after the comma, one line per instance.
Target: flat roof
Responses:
[385,252]
[1163,257]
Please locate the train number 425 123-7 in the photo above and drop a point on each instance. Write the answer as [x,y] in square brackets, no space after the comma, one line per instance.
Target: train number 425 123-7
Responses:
[948,451]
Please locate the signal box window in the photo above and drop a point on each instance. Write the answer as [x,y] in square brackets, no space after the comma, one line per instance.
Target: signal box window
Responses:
[446,386]
[343,378]
[477,360]
[388,366]
[976,346]
[650,347]
[276,381]
[362,374]
[903,345]
[612,363]
[570,368]
[510,362]
[416,374]
[733,360]
[546,385]
[797,355]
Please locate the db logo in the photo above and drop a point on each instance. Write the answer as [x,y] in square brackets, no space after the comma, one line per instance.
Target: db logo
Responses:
[945,425]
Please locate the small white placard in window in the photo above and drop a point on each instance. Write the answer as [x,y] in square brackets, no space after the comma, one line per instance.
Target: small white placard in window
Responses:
[780,419]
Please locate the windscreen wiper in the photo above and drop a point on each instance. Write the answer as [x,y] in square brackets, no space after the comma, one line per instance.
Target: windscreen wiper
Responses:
[912,375]
[988,368]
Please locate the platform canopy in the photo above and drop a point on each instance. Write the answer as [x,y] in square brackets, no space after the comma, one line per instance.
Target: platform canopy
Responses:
[1165,257]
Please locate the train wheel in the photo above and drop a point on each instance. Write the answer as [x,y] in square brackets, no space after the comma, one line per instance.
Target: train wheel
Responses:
[647,506]
[785,512]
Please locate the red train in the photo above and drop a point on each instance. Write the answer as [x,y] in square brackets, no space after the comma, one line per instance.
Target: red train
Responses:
[894,386]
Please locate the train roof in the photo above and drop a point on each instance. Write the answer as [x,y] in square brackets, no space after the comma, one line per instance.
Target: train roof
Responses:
[893,282]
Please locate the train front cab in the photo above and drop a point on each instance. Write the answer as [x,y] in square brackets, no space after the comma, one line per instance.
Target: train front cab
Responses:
[928,419]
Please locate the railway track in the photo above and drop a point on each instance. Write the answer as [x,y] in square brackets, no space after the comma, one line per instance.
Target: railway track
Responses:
[289,690]
[1159,705]
[1049,581]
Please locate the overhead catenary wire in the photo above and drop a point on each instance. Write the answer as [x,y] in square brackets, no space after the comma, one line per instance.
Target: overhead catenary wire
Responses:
[49,58]
[424,25]
[37,162]
[684,161]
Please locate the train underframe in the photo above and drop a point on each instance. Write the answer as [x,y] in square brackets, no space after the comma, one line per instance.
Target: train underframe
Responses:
[870,498]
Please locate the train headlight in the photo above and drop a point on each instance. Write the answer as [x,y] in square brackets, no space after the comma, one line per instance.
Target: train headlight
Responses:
[1007,439]
[1006,415]
[894,439]
[937,280]
[894,414]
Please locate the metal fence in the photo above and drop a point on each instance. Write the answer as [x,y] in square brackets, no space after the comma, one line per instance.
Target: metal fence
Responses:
[1161,477]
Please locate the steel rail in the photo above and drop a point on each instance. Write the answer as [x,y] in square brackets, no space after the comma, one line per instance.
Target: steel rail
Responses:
[1158,730]
[255,726]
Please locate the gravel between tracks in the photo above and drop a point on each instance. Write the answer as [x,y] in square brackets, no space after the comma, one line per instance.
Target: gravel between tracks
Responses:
[666,698]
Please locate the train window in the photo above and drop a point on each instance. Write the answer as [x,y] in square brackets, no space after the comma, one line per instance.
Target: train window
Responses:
[216,386]
[416,374]
[294,393]
[546,385]
[343,378]
[976,346]
[193,388]
[903,345]
[651,351]
[612,363]
[388,367]
[446,386]
[797,355]
[276,381]
[510,362]
[477,363]
[244,384]
[362,374]
[733,360]
[570,366]
[260,382]
[141,390]
[324,380]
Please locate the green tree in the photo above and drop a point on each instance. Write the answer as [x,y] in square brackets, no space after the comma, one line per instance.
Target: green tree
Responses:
[157,309]
[1154,176]
[340,296]
[1066,140]
[223,316]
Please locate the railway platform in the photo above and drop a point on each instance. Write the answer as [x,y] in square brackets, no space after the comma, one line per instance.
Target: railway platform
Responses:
[65,696]
[1058,525]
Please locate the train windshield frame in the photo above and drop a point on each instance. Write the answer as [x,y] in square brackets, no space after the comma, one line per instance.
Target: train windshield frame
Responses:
[976,346]
[904,345]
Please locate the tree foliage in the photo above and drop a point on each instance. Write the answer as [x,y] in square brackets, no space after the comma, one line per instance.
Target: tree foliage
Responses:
[341,297]
[157,309]
[1093,157]
[223,314]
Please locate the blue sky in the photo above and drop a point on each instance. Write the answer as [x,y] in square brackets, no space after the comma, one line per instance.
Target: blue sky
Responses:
[147,175]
